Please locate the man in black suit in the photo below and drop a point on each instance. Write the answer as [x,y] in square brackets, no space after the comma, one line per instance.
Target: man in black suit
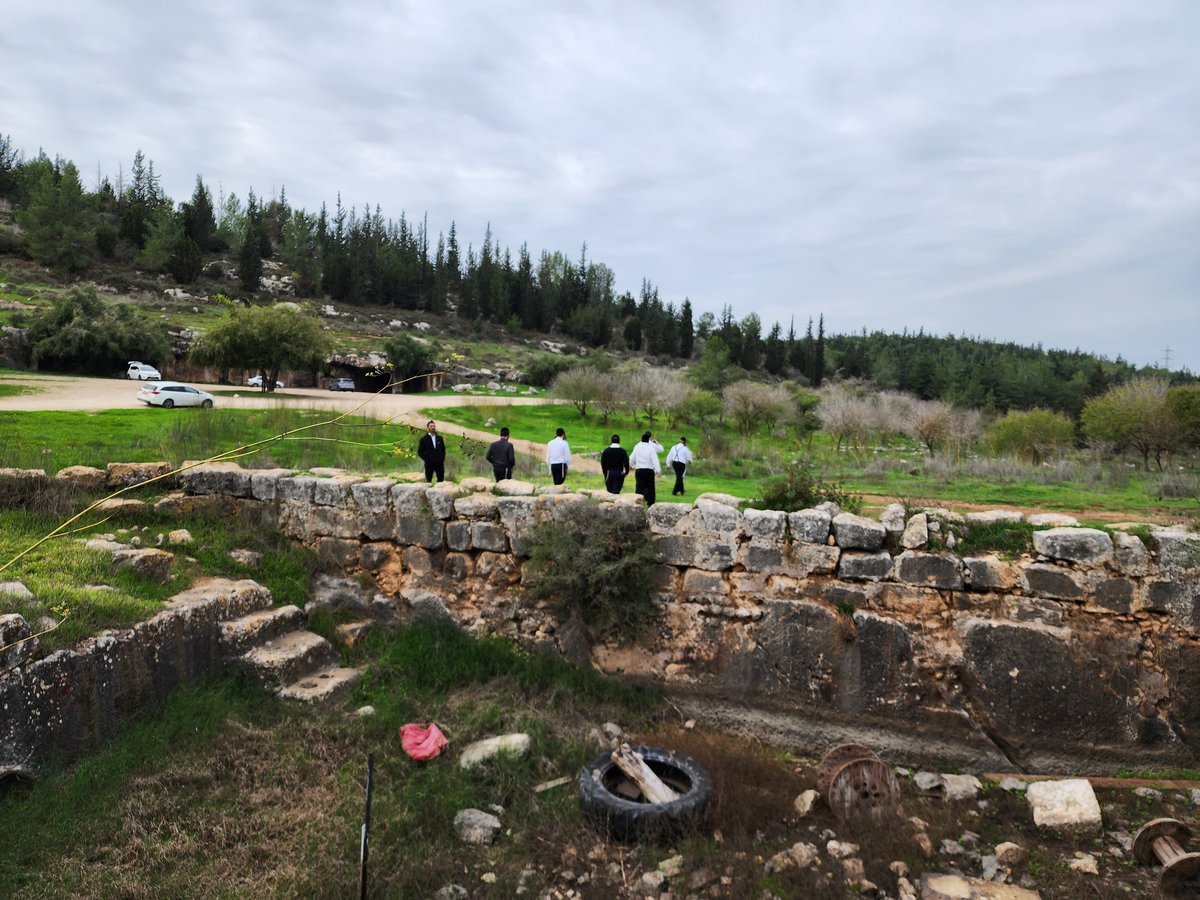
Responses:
[432,450]
[614,463]
[502,456]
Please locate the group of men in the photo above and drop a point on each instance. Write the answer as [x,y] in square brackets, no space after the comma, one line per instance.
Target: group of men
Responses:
[615,462]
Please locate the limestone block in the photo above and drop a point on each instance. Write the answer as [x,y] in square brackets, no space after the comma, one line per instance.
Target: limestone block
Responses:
[474,826]
[748,583]
[333,521]
[765,525]
[511,487]
[943,516]
[720,517]
[892,518]
[120,475]
[229,479]
[16,590]
[14,628]
[375,556]
[477,506]
[767,558]
[334,491]
[1133,559]
[264,482]
[716,555]
[334,594]
[1069,805]
[477,483]
[298,488]
[697,582]
[480,752]
[1044,580]
[674,549]
[801,560]
[458,535]
[1078,545]
[1032,609]
[841,595]
[458,566]
[936,886]
[857,532]
[994,516]
[420,531]
[411,499]
[726,499]
[1179,598]
[809,526]
[1178,551]
[146,562]
[938,570]
[489,536]
[120,506]
[916,532]
[1114,594]
[1055,520]
[664,517]
[858,566]
[336,551]
[497,568]
[427,606]
[988,573]
[517,517]
[559,507]
[27,475]
[82,476]
[373,496]
[553,489]
[417,560]
[441,499]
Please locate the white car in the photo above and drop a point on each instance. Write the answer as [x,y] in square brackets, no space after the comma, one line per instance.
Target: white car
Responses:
[257,382]
[140,371]
[171,393]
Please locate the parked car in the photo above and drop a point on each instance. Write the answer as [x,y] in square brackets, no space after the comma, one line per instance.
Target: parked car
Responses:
[171,393]
[140,371]
[342,384]
[257,382]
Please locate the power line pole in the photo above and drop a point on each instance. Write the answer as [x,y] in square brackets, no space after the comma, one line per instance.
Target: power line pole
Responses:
[1167,358]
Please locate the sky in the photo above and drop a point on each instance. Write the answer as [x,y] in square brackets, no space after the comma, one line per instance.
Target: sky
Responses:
[1022,171]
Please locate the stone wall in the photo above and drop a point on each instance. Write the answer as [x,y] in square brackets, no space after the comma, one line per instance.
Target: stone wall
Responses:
[812,625]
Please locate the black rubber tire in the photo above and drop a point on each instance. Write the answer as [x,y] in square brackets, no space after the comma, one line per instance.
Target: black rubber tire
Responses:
[632,820]
[206,404]
[168,403]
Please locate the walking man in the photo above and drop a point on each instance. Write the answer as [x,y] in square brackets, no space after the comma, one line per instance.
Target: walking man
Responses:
[678,459]
[614,463]
[644,462]
[558,456]
[502,456]
[432,450]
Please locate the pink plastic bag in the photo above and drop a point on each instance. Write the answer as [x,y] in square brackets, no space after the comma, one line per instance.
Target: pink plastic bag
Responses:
[422,743]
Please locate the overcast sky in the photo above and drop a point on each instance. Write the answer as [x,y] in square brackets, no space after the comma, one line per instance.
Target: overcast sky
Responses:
[1026,170]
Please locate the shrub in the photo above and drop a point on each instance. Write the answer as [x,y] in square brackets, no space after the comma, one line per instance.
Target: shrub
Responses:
[596,564]
[1009,539]
[543,368]
[1034,435]
[800,489]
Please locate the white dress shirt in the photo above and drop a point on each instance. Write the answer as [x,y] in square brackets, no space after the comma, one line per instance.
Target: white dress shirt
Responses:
[644,457]
[558,451]
[680,453]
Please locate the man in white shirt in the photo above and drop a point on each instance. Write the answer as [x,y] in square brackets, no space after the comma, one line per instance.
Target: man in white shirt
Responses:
[558,456]
[644,462]
[679,459]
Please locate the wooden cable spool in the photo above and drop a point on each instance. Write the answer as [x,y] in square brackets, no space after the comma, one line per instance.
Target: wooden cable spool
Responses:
[856,783]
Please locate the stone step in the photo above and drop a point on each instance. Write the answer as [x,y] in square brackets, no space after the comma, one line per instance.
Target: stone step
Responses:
[240,635]
[289,657]
[322,686]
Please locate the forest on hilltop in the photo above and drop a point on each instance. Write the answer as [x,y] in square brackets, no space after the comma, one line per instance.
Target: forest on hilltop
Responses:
[359,257]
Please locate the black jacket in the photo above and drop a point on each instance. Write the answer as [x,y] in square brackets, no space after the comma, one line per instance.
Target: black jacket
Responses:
[614,458]
[501,453]
[429,452]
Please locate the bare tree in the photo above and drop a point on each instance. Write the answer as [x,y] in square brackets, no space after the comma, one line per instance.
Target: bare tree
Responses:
[582,385]
[845,413]
[655,392]
[751,405]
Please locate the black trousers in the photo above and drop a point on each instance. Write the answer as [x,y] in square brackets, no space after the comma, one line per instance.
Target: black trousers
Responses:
[501,472]
[643,480]
[679,470]
[435,469]
[614,480]
[558,471]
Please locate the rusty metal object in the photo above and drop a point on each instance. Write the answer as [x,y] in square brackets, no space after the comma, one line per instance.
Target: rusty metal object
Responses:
[1160,840]
[856,784]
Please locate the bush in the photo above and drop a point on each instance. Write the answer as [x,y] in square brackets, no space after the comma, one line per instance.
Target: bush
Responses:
[1034,435]
[597,564]
[543,368]
[800,489]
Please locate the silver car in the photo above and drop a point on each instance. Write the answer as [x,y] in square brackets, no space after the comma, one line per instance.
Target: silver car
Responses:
[168,394]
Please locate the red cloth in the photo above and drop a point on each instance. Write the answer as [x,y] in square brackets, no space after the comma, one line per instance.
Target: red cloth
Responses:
[422,743]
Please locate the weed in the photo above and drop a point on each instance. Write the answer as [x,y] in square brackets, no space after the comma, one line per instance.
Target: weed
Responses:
[799,489]
[1009,539]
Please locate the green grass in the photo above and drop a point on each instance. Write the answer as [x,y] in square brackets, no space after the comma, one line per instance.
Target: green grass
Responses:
[15,390]
[54,440]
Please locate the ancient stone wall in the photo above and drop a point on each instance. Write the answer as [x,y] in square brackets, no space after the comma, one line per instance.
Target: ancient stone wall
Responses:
[813,625]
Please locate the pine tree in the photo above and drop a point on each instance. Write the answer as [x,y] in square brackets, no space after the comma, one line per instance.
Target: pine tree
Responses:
[687,334]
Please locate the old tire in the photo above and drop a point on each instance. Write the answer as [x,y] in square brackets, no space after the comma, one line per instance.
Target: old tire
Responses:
[206,404]
[632,820]
[168,403]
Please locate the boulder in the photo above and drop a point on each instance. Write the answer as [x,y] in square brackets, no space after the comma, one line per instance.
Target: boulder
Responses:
[1077,545]
[482,751]
[474,826]
[1069,804]
[916,532]
[858,532]
[809,526]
